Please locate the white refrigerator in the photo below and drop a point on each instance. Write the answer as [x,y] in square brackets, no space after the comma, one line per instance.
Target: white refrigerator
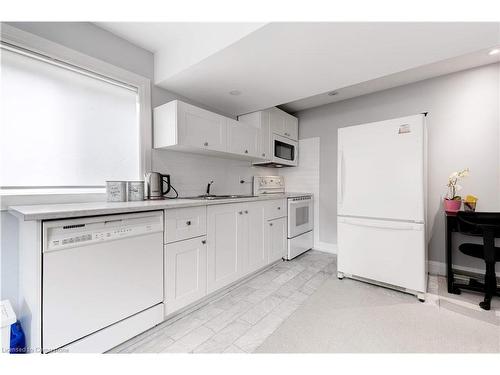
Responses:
[381,203]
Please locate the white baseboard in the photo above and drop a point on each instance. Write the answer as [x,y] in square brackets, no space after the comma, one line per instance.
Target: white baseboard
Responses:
[326,247]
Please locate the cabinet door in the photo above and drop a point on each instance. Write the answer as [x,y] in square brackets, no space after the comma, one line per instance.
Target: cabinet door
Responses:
[260,120]
[265,135]
[201,129]
[225,255]
[292,127]
[277,120]
[257,249]
[243,139]
[185,273]
[276,239]
[284,124]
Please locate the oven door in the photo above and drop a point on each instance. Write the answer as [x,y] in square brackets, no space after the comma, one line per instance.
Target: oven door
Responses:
[300,215]
[285,151]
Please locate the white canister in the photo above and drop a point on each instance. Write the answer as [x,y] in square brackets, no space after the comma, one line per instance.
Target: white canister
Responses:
[135,190]
[116,191]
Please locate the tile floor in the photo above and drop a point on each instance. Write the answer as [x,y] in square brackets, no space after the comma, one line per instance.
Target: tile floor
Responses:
[242,319]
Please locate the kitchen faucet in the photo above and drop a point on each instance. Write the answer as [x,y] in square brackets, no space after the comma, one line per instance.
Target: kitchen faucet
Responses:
[208,186]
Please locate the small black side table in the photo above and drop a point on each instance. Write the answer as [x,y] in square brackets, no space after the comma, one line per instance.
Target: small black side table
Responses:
[455,287]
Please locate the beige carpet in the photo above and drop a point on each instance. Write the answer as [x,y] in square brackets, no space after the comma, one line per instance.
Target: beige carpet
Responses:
[351,316]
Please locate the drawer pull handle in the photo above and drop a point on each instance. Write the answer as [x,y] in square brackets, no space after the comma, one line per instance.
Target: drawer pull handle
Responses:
[241,212]
[271,224]
[203,242]
[279,208]
[246,151]
[264,155]
[246,211]
[206,143]
[188,222]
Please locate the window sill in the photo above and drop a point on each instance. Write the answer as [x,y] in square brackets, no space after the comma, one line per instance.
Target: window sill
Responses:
[22,197]
[51,191]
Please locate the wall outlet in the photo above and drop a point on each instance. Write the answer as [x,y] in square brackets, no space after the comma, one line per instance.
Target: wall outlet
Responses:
[245,180]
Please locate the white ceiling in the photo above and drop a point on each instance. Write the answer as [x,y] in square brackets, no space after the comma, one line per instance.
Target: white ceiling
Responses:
[297,63]
[420,73]
[178,45]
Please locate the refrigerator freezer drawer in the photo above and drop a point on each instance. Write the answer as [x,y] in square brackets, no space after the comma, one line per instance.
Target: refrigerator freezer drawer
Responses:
[391,252]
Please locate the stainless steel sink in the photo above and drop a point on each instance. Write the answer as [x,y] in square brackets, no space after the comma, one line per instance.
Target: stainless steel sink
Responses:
[217,197]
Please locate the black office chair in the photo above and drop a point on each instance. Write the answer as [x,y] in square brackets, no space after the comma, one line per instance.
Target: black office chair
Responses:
[487,225]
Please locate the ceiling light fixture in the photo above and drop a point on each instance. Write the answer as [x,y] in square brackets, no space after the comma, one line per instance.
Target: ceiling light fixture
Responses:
[235,92]
[494,51]
[332,93]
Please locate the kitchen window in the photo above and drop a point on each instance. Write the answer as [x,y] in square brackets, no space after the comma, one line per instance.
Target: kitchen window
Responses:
[66,127]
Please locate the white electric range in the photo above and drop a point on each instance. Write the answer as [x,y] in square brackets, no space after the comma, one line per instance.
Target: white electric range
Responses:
[300,213]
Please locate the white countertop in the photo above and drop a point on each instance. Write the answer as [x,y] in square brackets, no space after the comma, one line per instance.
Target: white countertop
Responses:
[72,210]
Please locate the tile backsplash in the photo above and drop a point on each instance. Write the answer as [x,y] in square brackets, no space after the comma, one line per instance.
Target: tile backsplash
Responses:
[190,173]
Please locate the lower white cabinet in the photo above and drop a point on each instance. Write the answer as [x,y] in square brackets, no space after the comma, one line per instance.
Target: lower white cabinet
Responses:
[257,249]
[276,239]
[185,273]
[236,242]
[225,254]
[240,240]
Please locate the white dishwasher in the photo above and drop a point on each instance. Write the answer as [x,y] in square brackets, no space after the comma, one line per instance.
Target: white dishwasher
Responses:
[98,273]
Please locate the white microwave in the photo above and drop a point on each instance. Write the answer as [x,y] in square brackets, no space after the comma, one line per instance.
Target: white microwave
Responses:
[284,152]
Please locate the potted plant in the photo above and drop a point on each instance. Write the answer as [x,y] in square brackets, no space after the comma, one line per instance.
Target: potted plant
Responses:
[452,201]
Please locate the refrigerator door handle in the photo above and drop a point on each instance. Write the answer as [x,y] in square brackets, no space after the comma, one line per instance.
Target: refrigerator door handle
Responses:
[341,179]
[382,225]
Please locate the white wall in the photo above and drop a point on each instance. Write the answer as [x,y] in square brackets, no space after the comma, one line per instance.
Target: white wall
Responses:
[94,41]
[464,131]
[305,178]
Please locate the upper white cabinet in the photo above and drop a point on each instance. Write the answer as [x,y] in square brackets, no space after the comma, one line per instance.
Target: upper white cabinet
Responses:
[201,128]
[273,120]
[185,127]
[284,124]
[243,139]
[260,121]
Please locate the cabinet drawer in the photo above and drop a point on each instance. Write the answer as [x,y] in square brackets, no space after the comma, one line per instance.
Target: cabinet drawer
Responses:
[184,223]
[275,209]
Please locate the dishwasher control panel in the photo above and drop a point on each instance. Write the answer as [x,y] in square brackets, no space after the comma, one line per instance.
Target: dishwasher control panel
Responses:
[69,235]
